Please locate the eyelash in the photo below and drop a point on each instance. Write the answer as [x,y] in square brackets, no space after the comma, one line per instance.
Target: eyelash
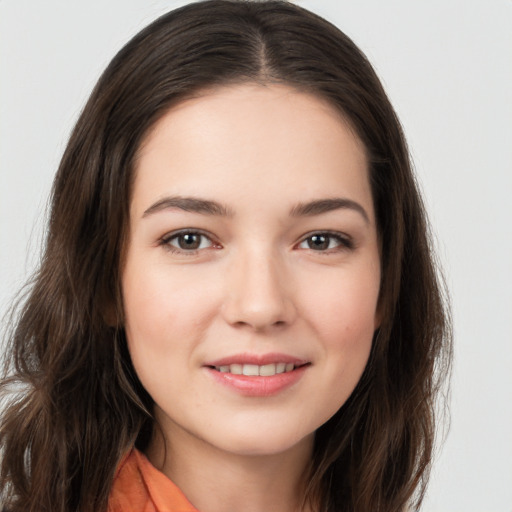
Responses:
[166,241]
[344,242]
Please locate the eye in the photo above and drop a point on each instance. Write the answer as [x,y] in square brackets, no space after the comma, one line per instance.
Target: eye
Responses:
[187,241]
[326,241]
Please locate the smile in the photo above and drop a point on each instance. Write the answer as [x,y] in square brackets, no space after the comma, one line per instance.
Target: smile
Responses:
[266,370]
[258,375]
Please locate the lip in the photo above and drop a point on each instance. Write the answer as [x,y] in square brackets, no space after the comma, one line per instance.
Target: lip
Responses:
[257,386]
[259,359]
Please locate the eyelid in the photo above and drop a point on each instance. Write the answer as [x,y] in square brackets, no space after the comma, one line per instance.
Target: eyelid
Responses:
[346,242]
[166,239]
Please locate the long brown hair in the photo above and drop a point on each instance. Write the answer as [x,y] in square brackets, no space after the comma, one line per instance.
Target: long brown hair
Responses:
[81,407]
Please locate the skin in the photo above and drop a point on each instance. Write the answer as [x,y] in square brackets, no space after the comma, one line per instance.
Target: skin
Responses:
[256,284]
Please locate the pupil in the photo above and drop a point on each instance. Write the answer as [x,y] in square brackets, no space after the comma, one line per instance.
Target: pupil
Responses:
[189,241]
[318,242]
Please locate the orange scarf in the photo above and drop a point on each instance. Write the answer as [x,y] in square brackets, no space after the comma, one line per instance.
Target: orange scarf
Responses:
[140,487]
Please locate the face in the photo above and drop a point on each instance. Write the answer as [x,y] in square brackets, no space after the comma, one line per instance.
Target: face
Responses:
[252,270]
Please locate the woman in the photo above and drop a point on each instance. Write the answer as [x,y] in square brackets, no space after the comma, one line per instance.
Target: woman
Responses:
[237,308]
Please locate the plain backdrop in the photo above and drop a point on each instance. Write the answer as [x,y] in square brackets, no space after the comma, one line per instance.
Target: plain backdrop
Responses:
[447,67]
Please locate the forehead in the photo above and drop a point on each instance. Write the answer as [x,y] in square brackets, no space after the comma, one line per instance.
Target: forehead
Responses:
[250,140]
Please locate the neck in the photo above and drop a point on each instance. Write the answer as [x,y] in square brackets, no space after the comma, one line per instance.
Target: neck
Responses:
[214,480]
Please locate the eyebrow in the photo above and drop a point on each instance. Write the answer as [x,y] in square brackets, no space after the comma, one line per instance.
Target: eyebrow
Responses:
[320,206]
[209,207]
[190,204]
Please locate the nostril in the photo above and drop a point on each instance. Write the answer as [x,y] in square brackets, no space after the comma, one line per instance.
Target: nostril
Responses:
[260,303]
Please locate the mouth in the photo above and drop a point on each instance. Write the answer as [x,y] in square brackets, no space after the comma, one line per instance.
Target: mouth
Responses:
[258,375]
[254,370]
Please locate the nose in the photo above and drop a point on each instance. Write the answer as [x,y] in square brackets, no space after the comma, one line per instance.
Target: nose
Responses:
[259,292]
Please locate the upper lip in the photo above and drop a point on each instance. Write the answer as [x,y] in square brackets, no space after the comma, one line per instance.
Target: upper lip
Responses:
[257,359]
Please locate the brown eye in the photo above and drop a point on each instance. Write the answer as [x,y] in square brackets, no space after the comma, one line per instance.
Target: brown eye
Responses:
[318,242]
[187,241]
[326,241]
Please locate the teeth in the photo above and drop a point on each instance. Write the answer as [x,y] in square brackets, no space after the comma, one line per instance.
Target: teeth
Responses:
[250,369]
[266,370]
[235,369]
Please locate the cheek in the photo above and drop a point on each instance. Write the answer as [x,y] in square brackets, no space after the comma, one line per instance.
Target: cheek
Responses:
[155,330]
[344,307]
[343,317]
[156,299]
[166,313]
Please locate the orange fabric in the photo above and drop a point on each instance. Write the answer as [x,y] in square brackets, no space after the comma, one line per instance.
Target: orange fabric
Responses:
[140,487]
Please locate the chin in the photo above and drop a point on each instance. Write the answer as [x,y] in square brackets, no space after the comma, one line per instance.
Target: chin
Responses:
[263,441]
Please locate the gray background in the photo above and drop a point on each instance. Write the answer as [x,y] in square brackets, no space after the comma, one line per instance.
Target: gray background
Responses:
[447,66]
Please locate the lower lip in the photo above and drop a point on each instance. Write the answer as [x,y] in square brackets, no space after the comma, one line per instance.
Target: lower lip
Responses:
[259,386]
